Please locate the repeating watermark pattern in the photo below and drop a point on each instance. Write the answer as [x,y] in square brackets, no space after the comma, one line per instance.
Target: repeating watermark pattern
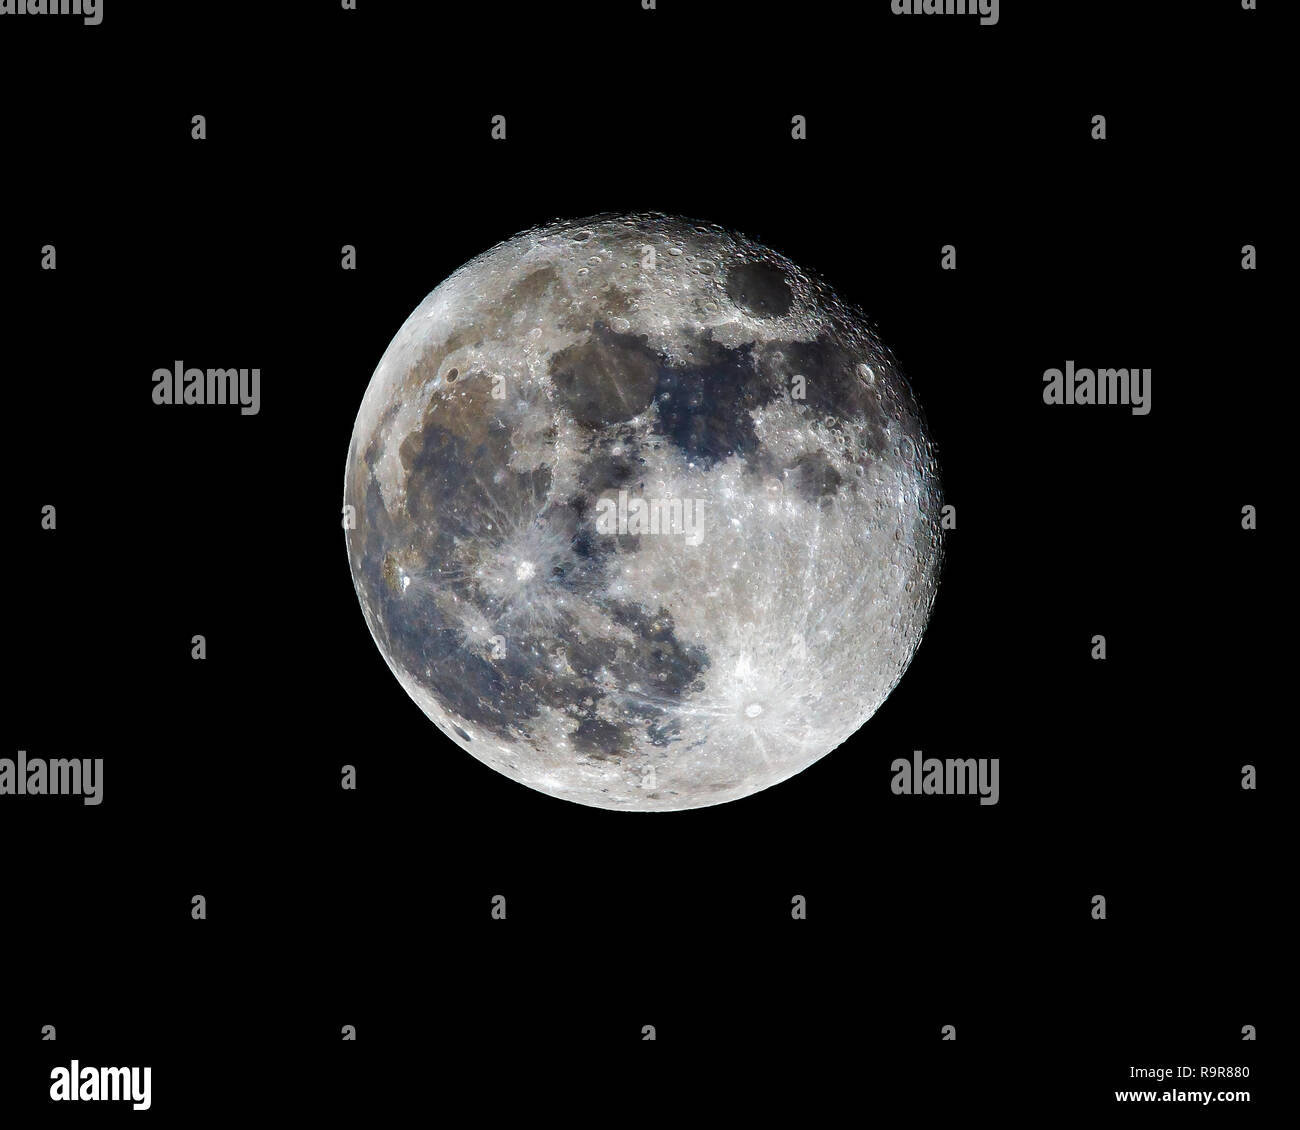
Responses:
[637,515]
[83,777]
[102,1084]
[1101,386]
[179,385]
[91,11]
[951,776]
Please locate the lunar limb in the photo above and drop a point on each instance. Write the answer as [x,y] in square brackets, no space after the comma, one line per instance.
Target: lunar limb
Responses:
[644,517]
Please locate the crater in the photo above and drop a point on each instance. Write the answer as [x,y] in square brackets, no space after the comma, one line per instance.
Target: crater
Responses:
[760,289]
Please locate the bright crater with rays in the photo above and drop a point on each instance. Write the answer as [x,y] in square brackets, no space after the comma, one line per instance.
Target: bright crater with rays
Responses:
[642,515]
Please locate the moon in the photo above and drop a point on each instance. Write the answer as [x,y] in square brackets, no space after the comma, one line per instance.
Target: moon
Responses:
[641,515]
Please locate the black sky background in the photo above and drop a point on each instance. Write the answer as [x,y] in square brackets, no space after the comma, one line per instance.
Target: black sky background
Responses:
[372,128]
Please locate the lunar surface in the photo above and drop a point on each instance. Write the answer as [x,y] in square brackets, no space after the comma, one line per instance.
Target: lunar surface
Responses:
[641,515]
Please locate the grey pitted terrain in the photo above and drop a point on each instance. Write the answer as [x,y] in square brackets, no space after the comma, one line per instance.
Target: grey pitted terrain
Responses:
[579,372]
